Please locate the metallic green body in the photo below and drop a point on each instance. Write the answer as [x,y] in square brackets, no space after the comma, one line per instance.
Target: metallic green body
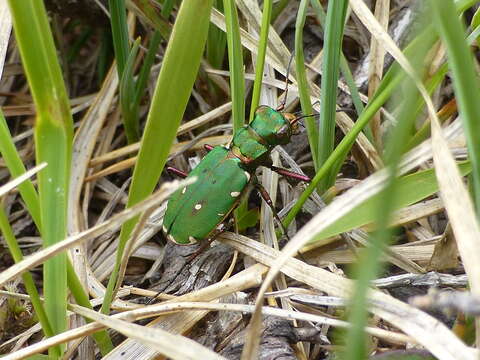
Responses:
[194,212]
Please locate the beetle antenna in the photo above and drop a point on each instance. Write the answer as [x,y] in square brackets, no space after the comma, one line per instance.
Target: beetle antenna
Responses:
[284,101]
[294,121]
[300,111]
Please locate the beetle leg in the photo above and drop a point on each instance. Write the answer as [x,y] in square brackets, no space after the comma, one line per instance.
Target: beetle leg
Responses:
[290,174]
[208,147]
[265,196]
[175,171]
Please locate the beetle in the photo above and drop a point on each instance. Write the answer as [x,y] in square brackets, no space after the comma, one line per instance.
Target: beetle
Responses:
[196,212]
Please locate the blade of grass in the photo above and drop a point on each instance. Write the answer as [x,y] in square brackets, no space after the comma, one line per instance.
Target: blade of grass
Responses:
[128,96]
[342,148]
[118,23]
[344,68]
[334,25]
[81,298]
[27,278]
[389,84]
[278,8]
[369,264]
[175,82]
[167,8]
[411,189]
[262,49]
[53,139]
[30,197]
[303,88]
[467,93]
[375,69]
[217,42]
[237,77]
[143,76]
[123,53]
[431,85]
[235,62]
[465,83]
[15,166]
[149,13]
[463,5]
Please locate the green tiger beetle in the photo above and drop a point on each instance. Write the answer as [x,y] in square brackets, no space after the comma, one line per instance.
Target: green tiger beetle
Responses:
[197,212]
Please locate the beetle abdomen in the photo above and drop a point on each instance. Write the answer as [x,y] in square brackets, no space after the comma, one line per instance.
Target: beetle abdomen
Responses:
[193,212]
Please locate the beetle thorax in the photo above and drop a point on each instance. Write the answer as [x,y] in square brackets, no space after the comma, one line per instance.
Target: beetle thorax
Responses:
[253,142]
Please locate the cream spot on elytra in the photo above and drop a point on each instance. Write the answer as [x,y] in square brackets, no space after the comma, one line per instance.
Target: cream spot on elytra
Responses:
[234,193]
[184,190]
[198,206]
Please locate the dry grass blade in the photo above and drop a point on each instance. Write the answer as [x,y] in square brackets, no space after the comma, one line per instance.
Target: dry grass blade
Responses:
[83,147]
[459,207]
[420,253]
[173,307]
[125,164]
[182,322]
[85,141]
[377,55]
[428,331]
[5,29]
[113,223]
[174,323]
[171,345]
[335,210]
[305,233]
[15,182]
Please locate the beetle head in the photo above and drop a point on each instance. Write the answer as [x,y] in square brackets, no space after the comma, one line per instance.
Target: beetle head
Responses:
[274,127]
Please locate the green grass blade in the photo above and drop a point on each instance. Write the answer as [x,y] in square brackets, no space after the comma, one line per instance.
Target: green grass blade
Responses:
[175,82]
[123,55]
[462,5]
[142,81]
[465,82]
[336,13]
[30,197]
[303,88]
[262,50]
[344,68]
[167,8]
[216,42]
[411,189]
[128,97]
[342,149]
[15,166]
[394,76]
[235,62]
[118,22]
[369,263]
[17,255]
[81,298]
[53,139]
[424,132]
[278,8]
[151,16]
